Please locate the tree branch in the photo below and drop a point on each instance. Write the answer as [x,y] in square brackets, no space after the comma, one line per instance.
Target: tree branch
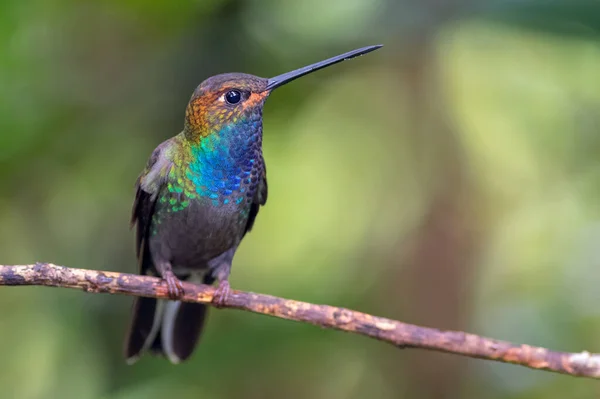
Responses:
[394,332]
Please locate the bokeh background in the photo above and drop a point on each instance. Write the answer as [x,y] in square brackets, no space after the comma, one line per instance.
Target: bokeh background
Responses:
[450,179]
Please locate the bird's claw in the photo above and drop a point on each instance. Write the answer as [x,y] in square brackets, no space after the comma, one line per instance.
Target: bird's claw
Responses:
[174,287]
[221,294]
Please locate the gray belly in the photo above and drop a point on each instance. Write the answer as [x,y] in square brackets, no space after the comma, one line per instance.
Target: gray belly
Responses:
[189,238]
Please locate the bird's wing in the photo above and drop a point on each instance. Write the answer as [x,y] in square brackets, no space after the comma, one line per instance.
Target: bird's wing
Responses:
[148,185]
[260,198]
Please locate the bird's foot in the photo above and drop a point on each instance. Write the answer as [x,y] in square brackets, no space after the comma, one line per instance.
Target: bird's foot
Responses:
[174,286]
[221,294]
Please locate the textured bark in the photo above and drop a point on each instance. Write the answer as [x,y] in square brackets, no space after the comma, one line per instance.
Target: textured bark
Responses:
[394,332]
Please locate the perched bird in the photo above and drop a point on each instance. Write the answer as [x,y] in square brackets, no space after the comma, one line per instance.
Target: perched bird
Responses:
[196,199]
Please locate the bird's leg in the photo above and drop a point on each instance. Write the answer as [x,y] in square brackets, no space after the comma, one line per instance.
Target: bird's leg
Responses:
[220,268]
[223,290]
[173,283]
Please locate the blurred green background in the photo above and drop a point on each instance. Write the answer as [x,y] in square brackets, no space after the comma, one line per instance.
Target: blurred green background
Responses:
[450,179]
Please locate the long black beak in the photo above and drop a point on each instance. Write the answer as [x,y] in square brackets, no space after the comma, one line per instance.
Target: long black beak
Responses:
[289,76]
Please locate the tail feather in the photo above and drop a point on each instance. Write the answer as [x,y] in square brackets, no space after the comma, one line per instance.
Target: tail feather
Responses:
[168,328]
[181,329]
[144,325]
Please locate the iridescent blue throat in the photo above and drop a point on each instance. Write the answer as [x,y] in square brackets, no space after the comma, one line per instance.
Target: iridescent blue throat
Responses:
[221,163]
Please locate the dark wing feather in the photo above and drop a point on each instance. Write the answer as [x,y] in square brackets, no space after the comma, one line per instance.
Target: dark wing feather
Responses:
[143,207]
[260,198]
[147,187]
[142,215]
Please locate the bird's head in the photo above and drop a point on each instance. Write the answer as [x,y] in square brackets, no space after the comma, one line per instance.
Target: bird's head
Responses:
[224,100]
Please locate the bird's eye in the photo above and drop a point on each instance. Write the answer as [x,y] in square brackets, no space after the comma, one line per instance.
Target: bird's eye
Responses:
[233,96]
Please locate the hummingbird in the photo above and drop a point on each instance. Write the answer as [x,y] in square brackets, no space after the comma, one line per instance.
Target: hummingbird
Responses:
[196,199]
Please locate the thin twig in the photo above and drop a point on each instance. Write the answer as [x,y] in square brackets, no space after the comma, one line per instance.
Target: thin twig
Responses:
[400,334]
